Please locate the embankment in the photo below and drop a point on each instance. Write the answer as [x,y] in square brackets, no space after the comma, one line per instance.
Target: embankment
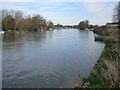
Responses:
[106,72]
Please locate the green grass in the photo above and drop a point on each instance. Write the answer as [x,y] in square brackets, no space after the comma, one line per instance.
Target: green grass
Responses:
[105,75]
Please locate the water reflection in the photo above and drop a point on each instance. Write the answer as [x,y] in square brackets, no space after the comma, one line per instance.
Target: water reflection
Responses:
[49,58]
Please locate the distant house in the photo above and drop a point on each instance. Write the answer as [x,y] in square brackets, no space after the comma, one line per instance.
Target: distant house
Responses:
[112,25]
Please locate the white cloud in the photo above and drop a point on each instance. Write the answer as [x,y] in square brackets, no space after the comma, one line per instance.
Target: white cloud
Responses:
[42,10]
[59,0]
[66,8]
[57,18]
[102,12]
[99,8]
[26,8]
[18,0]
[33,8]
[12,6]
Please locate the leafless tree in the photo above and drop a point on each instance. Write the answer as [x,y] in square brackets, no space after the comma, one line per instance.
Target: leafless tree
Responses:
[4,13]
[18,16]
[116,14]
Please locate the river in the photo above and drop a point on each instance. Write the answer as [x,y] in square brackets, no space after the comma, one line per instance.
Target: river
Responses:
[48,59]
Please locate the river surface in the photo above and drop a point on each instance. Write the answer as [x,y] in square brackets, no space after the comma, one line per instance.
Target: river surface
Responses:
[48,59]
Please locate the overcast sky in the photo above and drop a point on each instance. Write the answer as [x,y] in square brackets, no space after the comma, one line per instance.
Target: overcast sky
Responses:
[66,13]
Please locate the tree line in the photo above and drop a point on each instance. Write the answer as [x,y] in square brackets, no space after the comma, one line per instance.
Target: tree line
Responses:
[16,20]
[83,25]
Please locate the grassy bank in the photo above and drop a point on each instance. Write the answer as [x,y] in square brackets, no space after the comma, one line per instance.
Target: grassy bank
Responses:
[106,72]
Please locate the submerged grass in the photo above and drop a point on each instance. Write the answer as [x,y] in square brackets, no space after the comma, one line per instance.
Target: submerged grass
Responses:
[106,72]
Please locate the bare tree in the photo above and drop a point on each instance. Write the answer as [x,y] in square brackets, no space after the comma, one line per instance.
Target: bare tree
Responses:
[18,18]
[116,14]
[4,13]
[18,15]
